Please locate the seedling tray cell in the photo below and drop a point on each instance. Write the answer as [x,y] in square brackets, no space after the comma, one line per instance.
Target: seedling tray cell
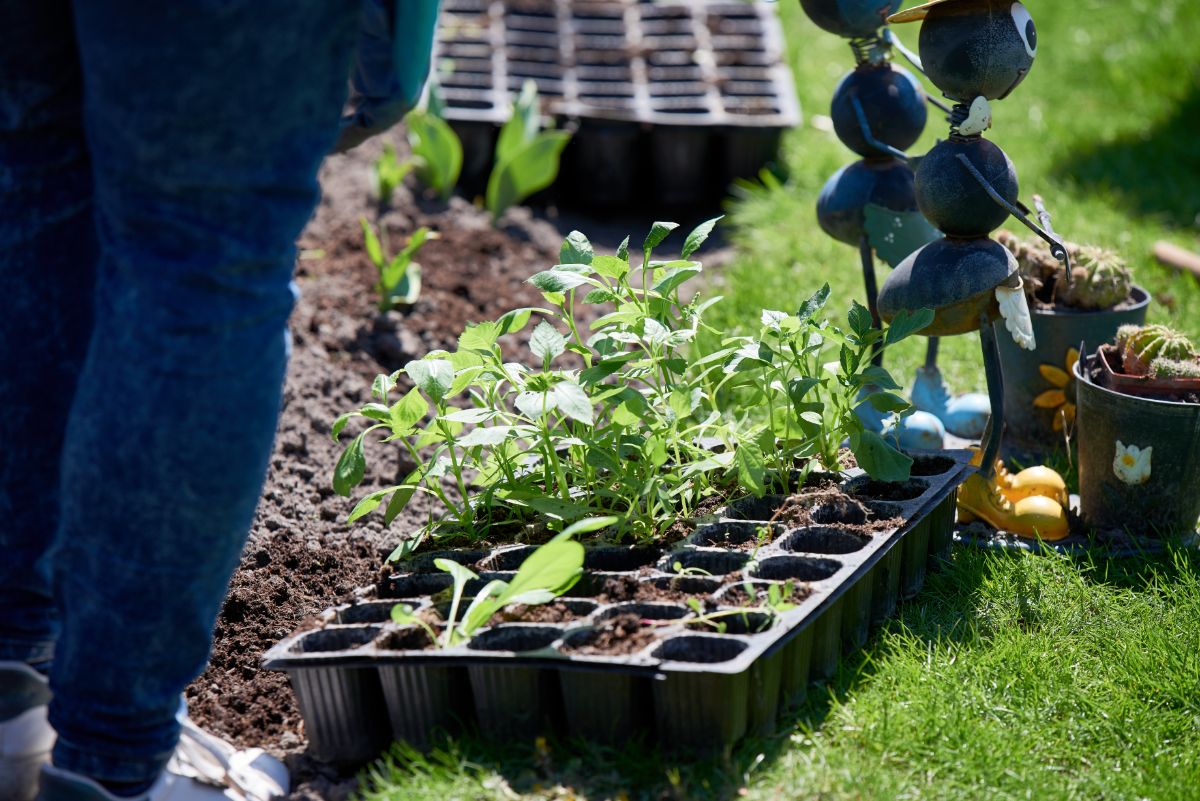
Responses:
[669,100]
[689,682]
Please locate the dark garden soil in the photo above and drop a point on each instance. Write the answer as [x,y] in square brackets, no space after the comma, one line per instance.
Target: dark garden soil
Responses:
[301,557]
[737,595]
[621,589]
[620,634]
[557,612]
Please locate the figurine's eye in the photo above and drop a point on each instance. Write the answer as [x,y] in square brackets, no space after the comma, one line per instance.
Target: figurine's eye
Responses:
[1025,27]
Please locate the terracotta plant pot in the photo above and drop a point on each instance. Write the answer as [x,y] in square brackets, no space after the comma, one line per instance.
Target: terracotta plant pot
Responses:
[1139,459]
[1144,386]
[1031,431]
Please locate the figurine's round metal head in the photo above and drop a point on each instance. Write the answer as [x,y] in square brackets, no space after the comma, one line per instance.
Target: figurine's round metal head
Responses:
[974,47]
[849,18]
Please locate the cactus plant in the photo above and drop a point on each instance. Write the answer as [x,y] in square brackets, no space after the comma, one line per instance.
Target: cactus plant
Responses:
[1142,345]
[1099,277]
[1174,368]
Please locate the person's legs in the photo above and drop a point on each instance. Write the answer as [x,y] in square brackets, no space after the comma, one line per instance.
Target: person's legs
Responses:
[47,261]
[206,122]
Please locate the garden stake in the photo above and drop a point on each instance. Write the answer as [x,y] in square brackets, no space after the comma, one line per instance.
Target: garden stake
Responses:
[967,187]
[878,110]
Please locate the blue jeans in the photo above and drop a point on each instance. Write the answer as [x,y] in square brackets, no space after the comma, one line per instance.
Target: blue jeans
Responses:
[157,162]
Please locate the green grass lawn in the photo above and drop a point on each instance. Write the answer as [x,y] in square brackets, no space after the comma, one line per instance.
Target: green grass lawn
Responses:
[1007,677]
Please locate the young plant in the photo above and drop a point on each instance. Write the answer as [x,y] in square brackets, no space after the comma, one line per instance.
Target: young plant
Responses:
[399,276]
[609,421]
[810,403]
[545,574]
[527,158]
[437,151]
[387,173]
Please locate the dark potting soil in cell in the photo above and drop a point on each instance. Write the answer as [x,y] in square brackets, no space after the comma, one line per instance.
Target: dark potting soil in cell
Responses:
[625,633]
[301,556]
[738,596]
[619,589]
[821,506]
[556,612]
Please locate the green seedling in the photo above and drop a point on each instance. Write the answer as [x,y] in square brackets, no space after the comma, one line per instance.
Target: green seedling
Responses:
[527,158]
[399,276]
[680,570]
[547,573]
[387,173]
[437,151]
[810,402]
[615,431]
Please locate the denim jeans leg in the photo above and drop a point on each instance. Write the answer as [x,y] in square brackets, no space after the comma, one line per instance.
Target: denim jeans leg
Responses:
[47,264]
[206,124]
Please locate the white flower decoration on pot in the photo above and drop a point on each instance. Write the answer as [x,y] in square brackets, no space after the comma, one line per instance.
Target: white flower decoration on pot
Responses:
[1132,464]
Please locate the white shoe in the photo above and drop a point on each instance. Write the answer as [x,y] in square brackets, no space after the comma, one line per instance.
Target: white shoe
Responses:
[203,768]
[25,734]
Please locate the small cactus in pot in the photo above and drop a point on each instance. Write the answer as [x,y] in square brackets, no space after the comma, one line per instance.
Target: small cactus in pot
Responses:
[1168,369]
[1141,345]
[1099,277]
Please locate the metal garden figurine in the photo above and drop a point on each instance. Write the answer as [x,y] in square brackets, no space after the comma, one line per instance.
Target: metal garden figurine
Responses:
[974,51]
[878,111]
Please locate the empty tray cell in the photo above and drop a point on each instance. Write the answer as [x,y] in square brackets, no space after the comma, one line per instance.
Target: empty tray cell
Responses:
[620,74]
[547,54]
[324,641]
[751,89]
[476,584]
[603,89]
[739,58]
[725,26]
[515,637]
[677,89]
[699,649]
[670,58]
[592,58]
[732,74]
[646,611]
[603,26]
[465,66]
[742,621]
[612,42]
[465,80]
[738,43]
[685,74]
[537,70]
[547,87]
[507,558]
[620,558]
[824,539]
[414,585]
[882,510]
[875,490]
[536,39]
[606,102]
[801,568]
[739,534]
[751,106]
[465,5]
[465,50]
[751,508]
[365,612]
[714,563]
[931,465]
[546,22]
[467,98]
[667,27]
[685,42]
[426,562]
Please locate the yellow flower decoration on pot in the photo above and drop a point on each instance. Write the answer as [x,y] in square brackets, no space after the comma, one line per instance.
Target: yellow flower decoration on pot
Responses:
[1132,464]
[1062,397]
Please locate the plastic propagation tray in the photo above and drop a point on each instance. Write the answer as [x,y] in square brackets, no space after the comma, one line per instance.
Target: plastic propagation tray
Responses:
[671,100]
[361,680]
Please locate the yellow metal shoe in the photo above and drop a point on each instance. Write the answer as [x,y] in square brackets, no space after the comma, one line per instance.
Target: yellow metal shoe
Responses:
[1030,482]
[1034,516]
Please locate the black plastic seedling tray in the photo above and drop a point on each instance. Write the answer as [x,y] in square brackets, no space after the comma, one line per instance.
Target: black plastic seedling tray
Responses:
[361,680]
[670,101]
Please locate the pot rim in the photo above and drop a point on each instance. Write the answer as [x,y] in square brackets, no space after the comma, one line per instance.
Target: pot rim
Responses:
[1138,292]
[1082,380]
